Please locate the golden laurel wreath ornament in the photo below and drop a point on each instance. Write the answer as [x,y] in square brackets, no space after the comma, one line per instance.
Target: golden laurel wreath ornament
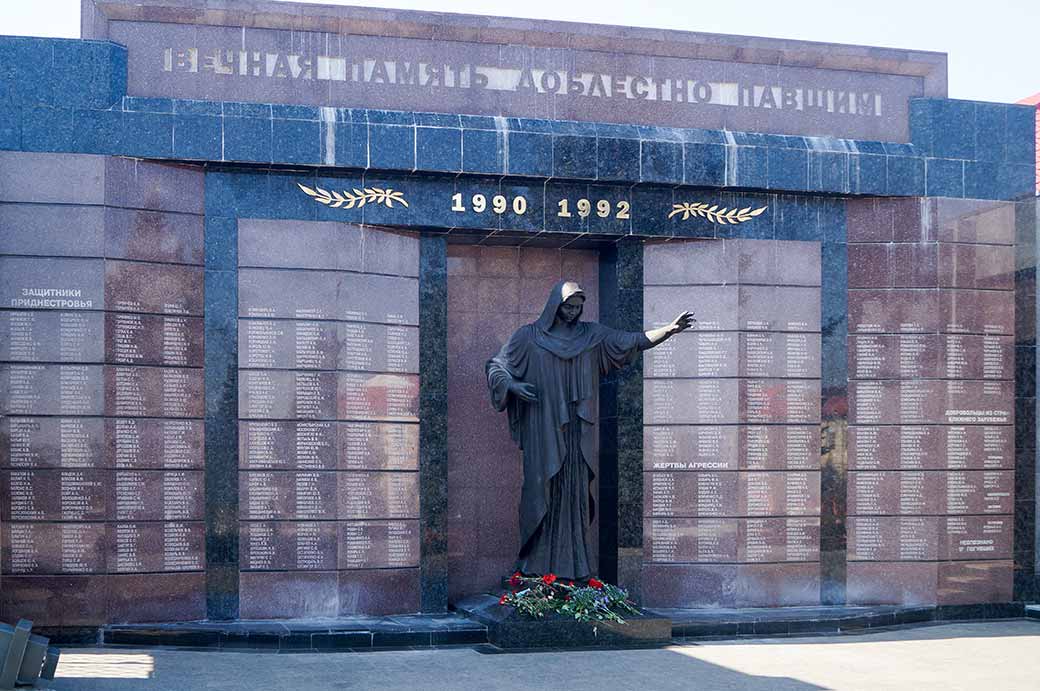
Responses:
[723,216]
[355,198]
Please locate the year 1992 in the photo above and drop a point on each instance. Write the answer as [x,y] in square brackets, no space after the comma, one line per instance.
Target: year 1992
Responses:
[566,208]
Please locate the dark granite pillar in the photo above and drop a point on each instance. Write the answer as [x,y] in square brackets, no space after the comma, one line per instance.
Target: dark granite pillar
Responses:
[608,439]
[1026,585]
[433,423]
[834,418]
[221,373]
[628,315]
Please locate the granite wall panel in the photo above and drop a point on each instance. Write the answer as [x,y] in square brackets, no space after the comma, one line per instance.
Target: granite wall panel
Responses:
[732,486]
[932,401]
[101,448]
[328,438]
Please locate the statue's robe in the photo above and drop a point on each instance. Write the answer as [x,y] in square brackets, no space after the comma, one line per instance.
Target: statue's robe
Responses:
[557,433]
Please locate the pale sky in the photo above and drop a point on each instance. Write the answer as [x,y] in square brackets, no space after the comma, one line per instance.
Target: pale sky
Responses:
[993,45]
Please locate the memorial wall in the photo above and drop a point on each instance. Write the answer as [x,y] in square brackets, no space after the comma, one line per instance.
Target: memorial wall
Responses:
[731,450]
[328,411]
[101,439]
[931,396]
[244,315]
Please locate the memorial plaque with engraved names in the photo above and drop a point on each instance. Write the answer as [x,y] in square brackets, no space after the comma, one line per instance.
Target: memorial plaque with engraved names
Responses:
[52,336]
[931,444]
[144,339]
[53,442]
[328,344]
[163,392]
[296,344]
[378,446]
[731,418]
[694,354]
[55,495]
[51,389]
[155,443]
[366,396]
[692,540]
[931,447]
[54,548]
[691,401]
[378,544]
[289,546]
[287,445]
[156,546]
[779,447]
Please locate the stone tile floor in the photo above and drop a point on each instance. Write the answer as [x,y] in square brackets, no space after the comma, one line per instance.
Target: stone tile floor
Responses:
[992,655]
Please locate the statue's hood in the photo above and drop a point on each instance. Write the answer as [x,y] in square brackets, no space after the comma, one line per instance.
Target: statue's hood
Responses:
[560,293]
[584,336]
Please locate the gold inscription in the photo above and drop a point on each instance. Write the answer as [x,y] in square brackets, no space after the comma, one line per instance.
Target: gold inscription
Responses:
[603,208]
[499,204]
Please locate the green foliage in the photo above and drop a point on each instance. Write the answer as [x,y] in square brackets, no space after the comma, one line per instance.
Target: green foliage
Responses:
[536,596]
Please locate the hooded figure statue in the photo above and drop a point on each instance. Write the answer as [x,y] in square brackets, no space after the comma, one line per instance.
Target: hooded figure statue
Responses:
[546,377]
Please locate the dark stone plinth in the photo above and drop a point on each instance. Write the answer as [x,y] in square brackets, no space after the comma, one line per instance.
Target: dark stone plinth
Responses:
[509,630]
[723,623]
[297,635]
[480,620]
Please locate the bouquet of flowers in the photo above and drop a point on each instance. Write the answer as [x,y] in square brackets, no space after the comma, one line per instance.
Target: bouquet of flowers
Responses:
[534,596]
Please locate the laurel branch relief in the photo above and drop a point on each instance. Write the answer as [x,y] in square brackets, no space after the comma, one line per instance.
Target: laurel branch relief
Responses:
[355,198]
[723,216]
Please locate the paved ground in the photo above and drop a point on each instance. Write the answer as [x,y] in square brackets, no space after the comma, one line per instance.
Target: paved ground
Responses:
[992,656]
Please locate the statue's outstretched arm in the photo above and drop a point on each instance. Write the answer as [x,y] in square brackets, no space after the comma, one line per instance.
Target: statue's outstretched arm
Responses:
[662,334]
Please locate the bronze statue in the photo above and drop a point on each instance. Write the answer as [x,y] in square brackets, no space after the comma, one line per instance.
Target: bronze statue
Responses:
[547,378]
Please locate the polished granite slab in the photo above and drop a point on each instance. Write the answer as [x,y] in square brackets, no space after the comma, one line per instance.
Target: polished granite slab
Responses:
[474,628]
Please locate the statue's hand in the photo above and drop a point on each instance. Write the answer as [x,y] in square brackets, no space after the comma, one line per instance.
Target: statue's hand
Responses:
[682,322]
[524,391]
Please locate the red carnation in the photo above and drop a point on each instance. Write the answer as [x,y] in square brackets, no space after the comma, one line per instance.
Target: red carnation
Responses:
[514,580]
[598,585]
[502,600]
[549,578]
